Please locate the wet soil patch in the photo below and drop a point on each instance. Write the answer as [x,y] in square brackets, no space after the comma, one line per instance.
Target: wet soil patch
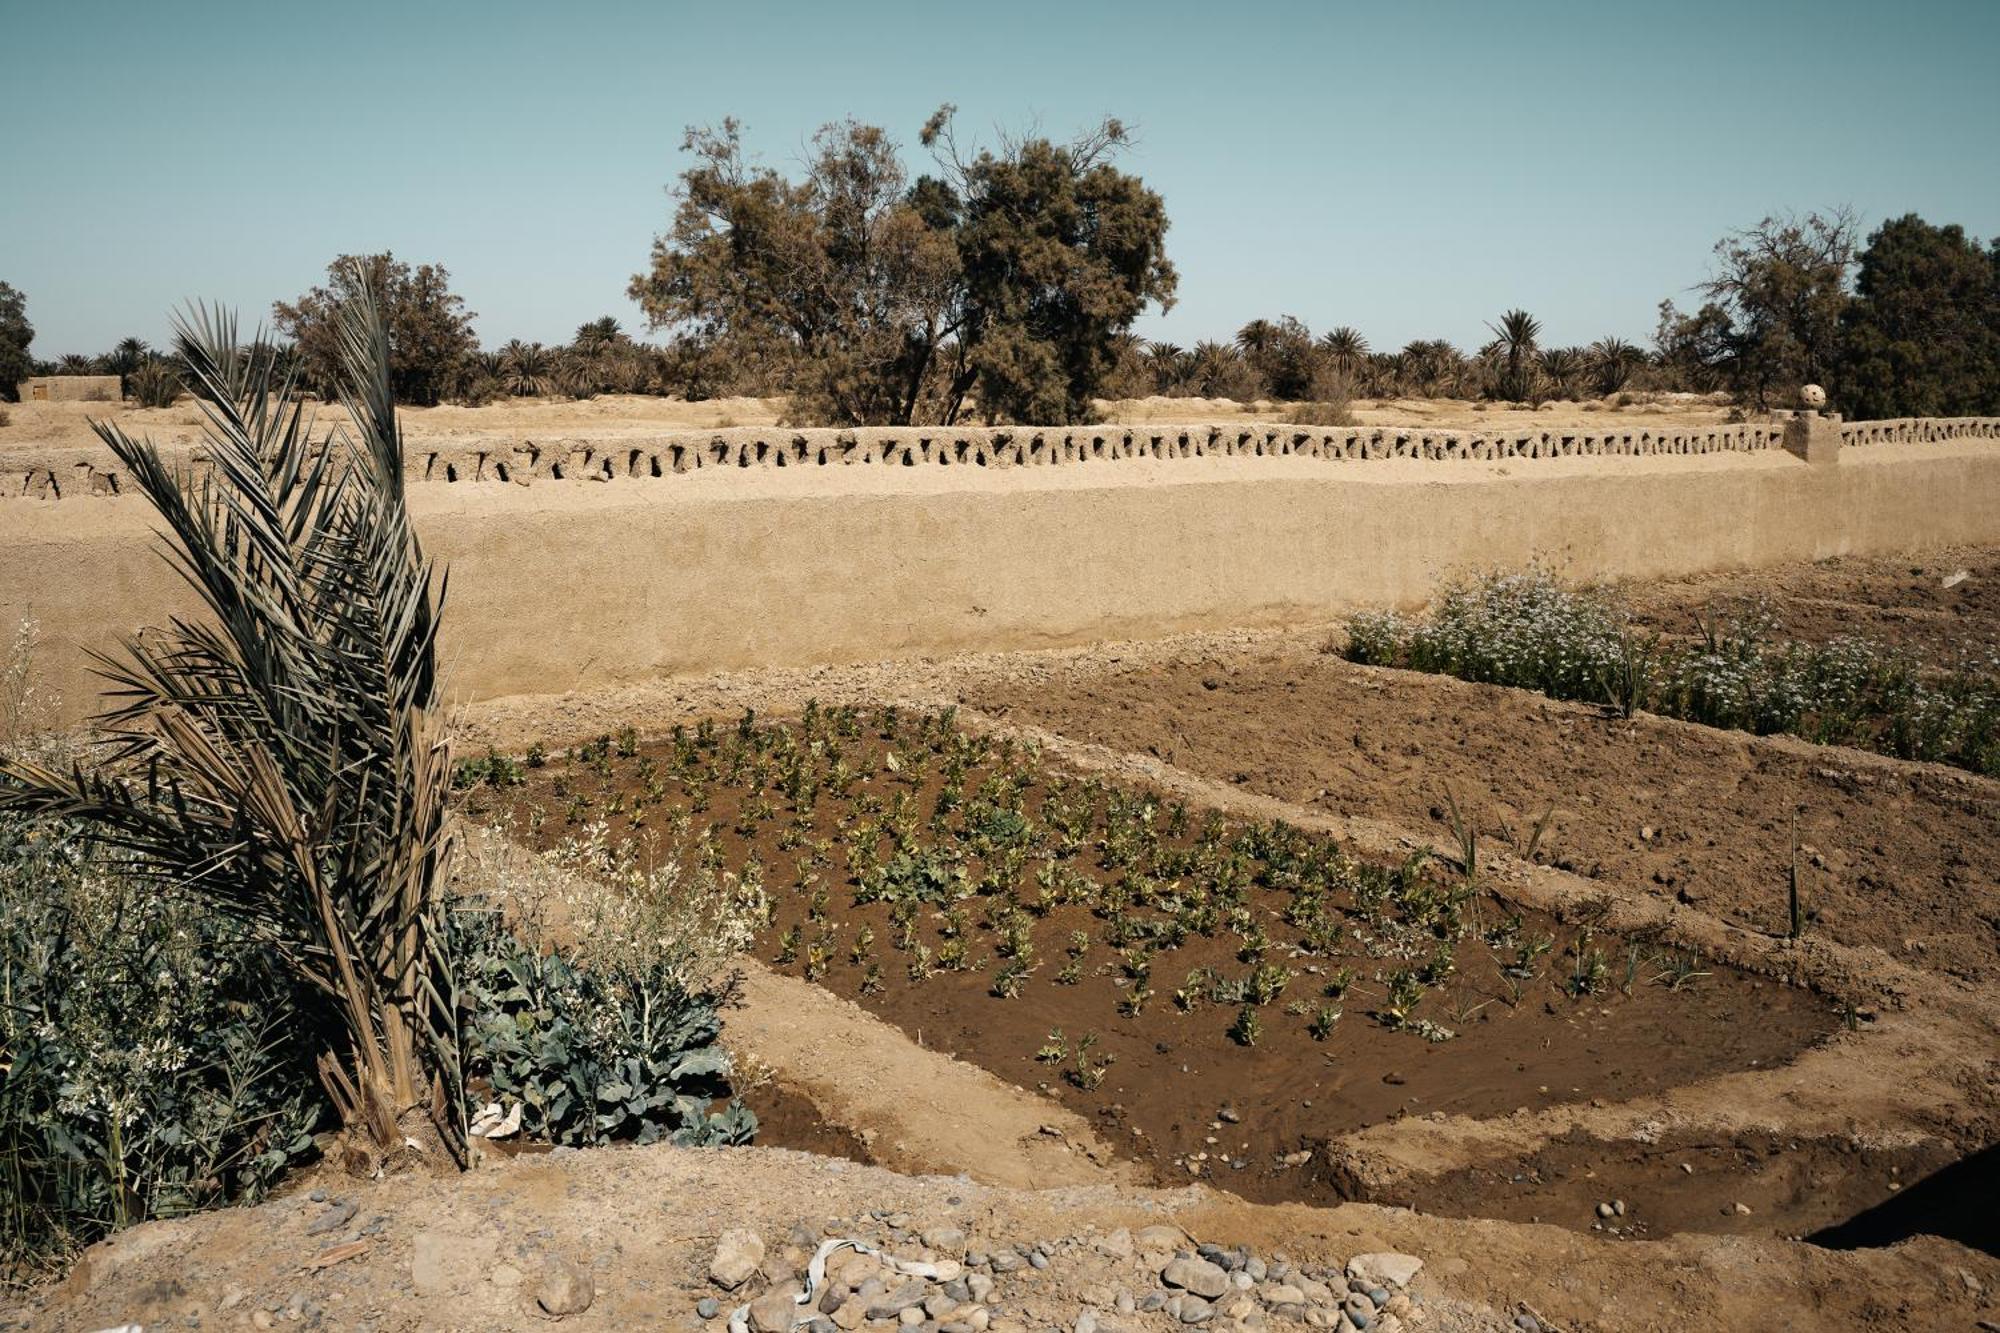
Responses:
[787,1118]
[1750,1184]
[1225,997]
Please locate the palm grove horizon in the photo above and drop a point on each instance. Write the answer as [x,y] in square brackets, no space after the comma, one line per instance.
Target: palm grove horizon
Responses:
[1002,285]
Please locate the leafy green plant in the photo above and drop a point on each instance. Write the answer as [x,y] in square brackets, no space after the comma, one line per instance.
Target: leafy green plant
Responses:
[1088,1070]
[1247,1027]
[594,1054]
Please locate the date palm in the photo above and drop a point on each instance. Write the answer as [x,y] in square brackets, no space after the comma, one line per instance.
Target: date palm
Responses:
[280,757]
[1516,333]
[530,369]
[1612,361]
[1345,347]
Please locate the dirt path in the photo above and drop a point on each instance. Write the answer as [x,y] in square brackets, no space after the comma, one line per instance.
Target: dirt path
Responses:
[426,1252]
[915,1109]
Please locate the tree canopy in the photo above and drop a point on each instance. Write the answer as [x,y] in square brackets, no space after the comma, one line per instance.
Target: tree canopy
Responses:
[1922,336]
[431,343]
[1770,319]
[1003,279]
[16,333]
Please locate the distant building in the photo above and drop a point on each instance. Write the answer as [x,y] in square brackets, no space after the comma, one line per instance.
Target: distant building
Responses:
[72,389]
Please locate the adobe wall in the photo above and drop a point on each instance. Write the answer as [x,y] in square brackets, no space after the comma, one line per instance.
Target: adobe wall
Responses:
[55,472]
[559,587]
[71,389]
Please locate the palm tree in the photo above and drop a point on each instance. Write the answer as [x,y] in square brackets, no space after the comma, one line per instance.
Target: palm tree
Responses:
[1612,361]
[1256,338]
[1168,364]
[1517,332]
[1564,368]
[1213,368]
[1345,347]
[282,759]
[598,335]
[528,369]
[76,363]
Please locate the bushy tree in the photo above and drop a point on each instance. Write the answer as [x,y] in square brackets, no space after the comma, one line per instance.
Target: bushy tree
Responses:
[1770,318]
[1060,251]
[15,335]
[1007,276]
[431,343]
[836,282]
[1922,336]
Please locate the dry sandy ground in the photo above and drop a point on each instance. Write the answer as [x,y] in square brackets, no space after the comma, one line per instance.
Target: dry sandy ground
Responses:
[621,415]
[433,1253]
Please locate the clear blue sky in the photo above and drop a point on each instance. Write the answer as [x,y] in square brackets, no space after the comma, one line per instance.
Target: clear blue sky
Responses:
[1410,168]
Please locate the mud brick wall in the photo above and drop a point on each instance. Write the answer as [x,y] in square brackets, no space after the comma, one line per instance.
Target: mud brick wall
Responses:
[753,562]
[91,470]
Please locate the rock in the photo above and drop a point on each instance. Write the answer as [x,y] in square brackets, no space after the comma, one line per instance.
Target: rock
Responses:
[775,1311]
[505,1276]
[1604,1210]
[893,1303]
[1320,1317]
[1241,1280]
[1117,1245]
[980,1287]
[946,1240]
[949,1270]
[1742,1209]
[939,1304]
[1153,1300]
[1086,1322]
[1037,1260]
[1527,1323]
[1228,1115]
[1195,1310]
[911,1317]
[708,1307]
[1158,1237]
[1007,1261]
[1196,1275]
[819,1324]
[737,1256]
[1275,1293]
[852,1314]
[336,1215]
[1316,1293]
[1124,1304]
[563,1288]
[958,1290]
[1256,1268]
[1384,1268]
[1239,1307]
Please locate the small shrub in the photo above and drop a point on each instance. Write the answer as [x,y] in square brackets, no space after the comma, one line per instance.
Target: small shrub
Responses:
[156,384]
[593,1054]
[153,1063]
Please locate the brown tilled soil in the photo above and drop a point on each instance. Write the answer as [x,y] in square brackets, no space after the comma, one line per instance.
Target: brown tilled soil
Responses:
[1942,607]
[1179,1093]
[1900,857]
